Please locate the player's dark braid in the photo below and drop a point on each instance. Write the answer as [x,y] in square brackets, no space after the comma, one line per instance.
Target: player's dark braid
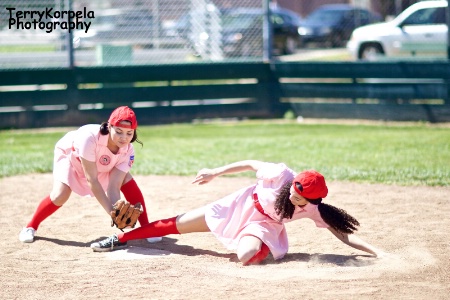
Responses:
[335,217]
[104,130]
[338,218]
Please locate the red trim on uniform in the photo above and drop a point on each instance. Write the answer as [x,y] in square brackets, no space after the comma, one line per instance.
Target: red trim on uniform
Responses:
[73,150]
[258,205]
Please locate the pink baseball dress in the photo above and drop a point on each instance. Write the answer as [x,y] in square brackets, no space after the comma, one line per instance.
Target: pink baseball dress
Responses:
[88,143]
[236,215]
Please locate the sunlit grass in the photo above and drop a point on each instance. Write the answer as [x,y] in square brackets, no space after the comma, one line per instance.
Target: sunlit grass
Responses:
[27,48]
[406,155]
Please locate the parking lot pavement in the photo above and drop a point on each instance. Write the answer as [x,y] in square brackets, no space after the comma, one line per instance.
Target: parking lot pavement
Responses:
[338,54]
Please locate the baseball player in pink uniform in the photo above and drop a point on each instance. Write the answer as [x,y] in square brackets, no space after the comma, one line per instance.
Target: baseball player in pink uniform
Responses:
[251,220]
[93,161]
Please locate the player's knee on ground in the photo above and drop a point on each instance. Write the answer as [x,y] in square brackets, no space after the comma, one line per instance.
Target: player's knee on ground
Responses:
[247,247]
[254,256]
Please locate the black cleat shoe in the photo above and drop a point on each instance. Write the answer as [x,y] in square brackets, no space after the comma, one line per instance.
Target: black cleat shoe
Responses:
[109,244]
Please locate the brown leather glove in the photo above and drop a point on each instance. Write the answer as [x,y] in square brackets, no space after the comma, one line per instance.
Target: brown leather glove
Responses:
[125,214]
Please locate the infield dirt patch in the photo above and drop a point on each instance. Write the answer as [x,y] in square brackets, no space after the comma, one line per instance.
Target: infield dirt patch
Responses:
[412,223]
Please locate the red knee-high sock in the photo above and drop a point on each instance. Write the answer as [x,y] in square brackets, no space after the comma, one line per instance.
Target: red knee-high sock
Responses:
[43,211]
[154,229]
[134,195]
[259,256]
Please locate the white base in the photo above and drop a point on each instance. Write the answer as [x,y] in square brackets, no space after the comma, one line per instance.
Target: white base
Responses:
[154,240]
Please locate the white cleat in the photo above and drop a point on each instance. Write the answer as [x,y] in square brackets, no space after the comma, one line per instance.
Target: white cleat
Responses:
[27,235]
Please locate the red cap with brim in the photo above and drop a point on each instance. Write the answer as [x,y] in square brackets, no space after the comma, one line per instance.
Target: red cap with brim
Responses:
[313,183]
[123,113]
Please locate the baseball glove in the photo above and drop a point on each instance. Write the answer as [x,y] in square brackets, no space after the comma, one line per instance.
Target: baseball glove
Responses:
[125,214]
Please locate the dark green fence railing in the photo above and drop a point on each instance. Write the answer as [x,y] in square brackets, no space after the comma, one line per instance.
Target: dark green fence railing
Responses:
[398,91]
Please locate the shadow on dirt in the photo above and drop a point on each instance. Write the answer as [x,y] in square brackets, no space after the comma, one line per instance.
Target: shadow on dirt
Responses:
[62,242]
[338,260]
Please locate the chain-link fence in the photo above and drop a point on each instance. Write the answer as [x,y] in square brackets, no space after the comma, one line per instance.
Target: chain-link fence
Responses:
[123,32]
[64,33]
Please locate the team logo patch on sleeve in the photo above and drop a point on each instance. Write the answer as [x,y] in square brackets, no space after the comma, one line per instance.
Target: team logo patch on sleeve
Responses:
[130,163]
[105,160]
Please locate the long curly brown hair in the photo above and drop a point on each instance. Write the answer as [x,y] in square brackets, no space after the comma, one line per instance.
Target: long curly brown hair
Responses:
[336,218]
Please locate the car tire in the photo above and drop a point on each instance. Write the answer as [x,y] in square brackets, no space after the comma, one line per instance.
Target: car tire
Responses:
[370,51]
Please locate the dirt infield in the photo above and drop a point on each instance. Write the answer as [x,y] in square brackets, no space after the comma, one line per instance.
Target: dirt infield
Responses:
[412,223]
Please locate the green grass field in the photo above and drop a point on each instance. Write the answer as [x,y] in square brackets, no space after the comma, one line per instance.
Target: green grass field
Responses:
[27,48]
[415,154]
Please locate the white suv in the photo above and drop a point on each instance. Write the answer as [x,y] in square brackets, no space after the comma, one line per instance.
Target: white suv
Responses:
[420,30]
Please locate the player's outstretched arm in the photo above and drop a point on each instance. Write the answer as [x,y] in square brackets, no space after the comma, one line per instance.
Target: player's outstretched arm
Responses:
[91,173]
[206,175]
[354,241]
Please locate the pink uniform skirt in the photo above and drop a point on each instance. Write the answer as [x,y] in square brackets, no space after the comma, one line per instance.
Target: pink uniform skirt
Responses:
[236,215]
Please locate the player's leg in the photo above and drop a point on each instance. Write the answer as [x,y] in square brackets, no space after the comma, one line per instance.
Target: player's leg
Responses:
[133,194]
[60,193]
[193,221]
[58,196]
[251,250]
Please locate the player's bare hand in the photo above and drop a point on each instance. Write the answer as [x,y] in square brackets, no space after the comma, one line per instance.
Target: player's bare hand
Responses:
[204,176]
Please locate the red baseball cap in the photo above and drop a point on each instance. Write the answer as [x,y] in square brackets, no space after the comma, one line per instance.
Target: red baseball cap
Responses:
[123,113]
[313,183]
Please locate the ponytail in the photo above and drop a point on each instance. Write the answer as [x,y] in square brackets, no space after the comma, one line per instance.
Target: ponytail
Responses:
[337,218]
